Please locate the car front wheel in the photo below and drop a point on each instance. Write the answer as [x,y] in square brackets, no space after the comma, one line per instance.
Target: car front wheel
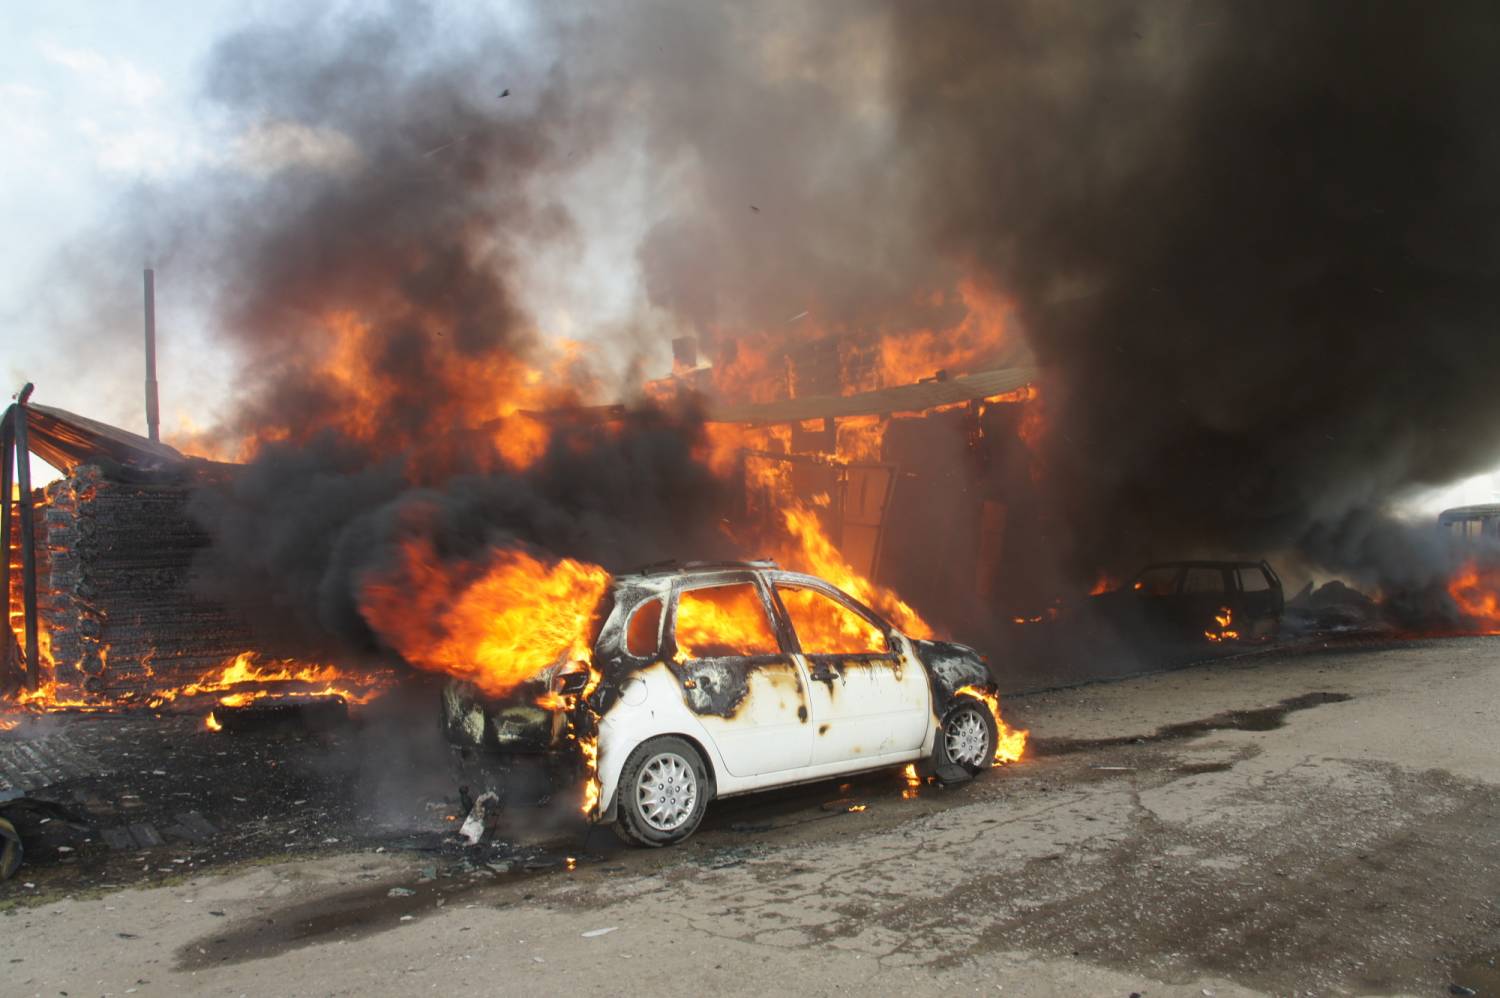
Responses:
[966,741]
[664,790]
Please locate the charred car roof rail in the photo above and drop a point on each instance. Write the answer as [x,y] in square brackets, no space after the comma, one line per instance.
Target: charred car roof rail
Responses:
[672,565]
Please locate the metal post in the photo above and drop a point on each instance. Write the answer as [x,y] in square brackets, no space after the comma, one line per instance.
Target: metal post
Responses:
[7,466]
[28,542]
[153,411]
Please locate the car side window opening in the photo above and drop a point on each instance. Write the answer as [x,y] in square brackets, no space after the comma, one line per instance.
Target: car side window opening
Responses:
[643,634]
[1203,580]
[825,626]
[720,621]
[1253,580]
[1157,582]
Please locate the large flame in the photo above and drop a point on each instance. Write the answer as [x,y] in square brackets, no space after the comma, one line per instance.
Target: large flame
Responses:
[808,549]
[723,620]
[497,628]
[1475,590]
[492,397]
[825,628]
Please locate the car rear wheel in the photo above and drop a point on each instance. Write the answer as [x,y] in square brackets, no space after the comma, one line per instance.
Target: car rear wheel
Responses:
[966,741]
[664,790]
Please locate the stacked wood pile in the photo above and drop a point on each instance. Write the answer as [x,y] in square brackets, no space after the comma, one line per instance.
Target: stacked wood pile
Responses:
[117,587]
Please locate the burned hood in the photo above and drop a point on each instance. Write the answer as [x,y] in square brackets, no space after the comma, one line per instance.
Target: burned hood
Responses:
[951,667]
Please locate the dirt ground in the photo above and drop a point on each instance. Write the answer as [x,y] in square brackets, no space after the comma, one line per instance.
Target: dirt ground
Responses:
[1321,821]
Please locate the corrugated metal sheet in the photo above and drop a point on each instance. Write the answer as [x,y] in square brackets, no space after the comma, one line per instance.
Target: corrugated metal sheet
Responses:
[902,398]
[65,440]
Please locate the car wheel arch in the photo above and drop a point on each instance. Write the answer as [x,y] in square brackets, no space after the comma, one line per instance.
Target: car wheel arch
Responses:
[612,808]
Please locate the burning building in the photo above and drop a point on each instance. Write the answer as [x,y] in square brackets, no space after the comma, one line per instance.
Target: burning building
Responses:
[106,607]
[925,487]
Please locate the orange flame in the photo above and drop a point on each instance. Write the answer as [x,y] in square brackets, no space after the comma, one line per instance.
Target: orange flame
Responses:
[913,782]
[491,396]
[1104,584]
[248,677]
[825,628]
[1476,592]
[808,549]
[1010,743]
[497,629]
[212,723]
[1223,632]
[723,620]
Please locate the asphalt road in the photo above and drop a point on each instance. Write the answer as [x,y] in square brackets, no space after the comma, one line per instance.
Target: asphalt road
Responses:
[1321,822]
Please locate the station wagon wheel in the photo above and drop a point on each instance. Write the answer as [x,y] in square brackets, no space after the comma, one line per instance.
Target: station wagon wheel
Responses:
[663,790]
[966,740]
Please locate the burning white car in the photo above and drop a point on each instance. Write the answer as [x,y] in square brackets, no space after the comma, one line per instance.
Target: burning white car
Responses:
[712,680]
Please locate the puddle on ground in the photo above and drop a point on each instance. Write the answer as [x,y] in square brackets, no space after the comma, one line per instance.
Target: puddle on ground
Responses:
[1199,768]
[381,905]
[1479,974]
[1256,719]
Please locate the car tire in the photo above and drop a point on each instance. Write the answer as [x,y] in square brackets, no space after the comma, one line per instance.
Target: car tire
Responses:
[663,791]
[965,742]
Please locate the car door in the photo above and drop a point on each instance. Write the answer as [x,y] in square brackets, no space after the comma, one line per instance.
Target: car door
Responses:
[738,677]
[1149,612]
[1207,605]
[867,701]
[1261,601]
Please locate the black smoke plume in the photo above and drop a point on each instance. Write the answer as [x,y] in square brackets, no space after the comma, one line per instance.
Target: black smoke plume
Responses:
[1255,247]
[368,284]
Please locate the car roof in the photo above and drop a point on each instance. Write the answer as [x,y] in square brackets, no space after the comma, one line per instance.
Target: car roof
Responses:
[1477,512]
[631,589]
[673,567]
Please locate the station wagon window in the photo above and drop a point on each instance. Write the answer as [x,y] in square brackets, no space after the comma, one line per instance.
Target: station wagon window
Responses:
[1253,580]
[721,621]
[643,635]
[1157,581]
[1203,580]
[825,626]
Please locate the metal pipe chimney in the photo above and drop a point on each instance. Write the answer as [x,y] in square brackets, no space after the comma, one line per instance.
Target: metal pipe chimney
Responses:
[153,412]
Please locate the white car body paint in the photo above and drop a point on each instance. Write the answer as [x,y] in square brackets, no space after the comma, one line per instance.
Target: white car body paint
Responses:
[664,712]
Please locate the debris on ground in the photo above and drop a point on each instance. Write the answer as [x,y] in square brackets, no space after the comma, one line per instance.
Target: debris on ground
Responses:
[481,818]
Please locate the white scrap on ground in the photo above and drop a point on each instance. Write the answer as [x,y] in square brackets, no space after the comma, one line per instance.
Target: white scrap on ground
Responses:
[472,830]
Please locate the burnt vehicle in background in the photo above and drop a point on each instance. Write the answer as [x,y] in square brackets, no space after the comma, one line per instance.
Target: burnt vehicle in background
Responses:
[713,680]
[1471,525]
[1196,603]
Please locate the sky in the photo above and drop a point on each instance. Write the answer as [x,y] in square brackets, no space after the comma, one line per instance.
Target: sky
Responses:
[98,100]
[94,100]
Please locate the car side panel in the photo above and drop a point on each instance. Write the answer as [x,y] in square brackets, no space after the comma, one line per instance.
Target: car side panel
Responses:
[864,706]
[656,707]
[650,704]
[768,730]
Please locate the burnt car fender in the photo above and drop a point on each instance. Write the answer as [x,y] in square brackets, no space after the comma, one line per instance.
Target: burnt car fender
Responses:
[653,705]
[950,667]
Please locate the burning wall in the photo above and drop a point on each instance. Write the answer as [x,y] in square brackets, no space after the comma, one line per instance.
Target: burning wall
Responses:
[117,591]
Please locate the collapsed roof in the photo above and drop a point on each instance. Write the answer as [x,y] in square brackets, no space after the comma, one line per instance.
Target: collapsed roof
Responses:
[918,397]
